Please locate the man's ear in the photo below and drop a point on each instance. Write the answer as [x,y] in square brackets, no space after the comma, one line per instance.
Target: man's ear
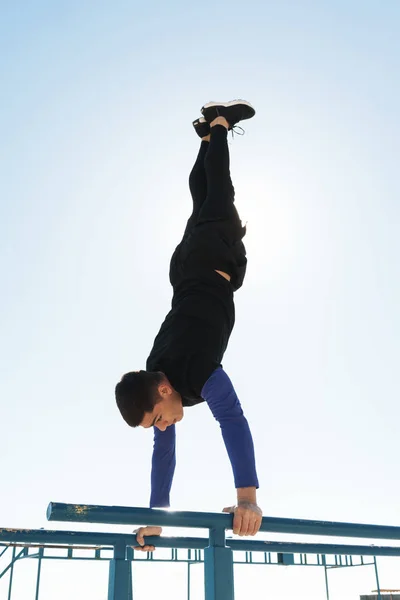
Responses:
[164,390]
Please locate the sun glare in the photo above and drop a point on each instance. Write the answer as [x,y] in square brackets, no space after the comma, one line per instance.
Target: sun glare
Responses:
[270,224]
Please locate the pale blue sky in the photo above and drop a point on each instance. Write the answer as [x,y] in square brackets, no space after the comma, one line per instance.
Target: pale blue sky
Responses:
[96,144]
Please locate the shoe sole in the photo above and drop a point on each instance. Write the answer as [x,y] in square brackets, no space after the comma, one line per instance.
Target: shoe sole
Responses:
[201,127]
[244,110]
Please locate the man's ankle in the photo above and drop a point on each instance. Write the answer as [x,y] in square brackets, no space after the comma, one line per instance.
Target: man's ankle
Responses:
[220,121]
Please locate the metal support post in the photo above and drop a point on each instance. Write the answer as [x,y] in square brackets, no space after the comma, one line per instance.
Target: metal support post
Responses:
[120,575]
[377,579]
[188,580]
[326,576]
[39,570]
[11,573]
[218,568]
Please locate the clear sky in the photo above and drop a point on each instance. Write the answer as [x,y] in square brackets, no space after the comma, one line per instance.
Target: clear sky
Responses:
[96,143]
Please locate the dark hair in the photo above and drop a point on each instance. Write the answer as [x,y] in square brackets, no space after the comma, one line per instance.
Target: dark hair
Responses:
[136,394]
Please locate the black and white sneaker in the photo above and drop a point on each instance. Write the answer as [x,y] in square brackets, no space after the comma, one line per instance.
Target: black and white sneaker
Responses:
[234,111]
[202,127]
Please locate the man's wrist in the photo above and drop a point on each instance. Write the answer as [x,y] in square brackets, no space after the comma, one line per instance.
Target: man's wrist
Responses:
[247,494]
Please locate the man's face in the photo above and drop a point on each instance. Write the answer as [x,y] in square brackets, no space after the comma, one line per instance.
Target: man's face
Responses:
[166,412]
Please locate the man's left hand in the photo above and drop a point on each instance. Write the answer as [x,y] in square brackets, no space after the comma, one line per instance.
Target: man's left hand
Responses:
[247,518]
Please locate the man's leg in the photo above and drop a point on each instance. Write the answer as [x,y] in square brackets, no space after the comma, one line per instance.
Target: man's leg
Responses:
[218,211]
[219,203]
[198,184]
[198,190]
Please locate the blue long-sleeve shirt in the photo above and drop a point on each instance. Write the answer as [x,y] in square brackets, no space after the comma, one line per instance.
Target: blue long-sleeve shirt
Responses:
[224,404]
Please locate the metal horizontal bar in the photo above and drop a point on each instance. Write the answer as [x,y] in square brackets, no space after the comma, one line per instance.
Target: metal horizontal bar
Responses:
[59,546]
[295,548]
[366,564]
[57,511]
[43,536]
[99,539]
[93,538]
[143,558]
[123,515]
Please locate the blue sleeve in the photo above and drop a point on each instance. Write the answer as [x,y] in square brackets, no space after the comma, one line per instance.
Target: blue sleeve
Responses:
[162,467]
[221,397]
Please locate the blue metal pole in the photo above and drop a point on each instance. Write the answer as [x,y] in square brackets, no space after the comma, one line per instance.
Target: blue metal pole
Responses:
[96,538]
[122,515]
[130,590]
[41,552]
[377,579]
[120,575]
[11,574]
[129,558]
[326,579]
[218,568]
[188,580]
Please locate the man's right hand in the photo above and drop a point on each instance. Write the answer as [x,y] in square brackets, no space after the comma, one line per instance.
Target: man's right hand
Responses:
[141,533]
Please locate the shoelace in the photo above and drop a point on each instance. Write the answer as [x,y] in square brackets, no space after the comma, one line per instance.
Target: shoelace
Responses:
[234,127]
[237,127]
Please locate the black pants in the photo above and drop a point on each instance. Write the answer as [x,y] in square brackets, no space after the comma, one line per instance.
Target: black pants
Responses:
[214,228]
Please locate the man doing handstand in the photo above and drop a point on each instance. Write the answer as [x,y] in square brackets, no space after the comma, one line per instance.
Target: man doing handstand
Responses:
[184,366]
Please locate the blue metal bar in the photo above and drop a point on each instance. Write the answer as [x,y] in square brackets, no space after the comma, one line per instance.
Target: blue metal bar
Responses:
[218,568]
[377,579]
[365,564]
[120,575]
[11,574]
[326,582]
[53,536]
[156,560]
[217,538]
[122,515]
[41,553]
[95,538]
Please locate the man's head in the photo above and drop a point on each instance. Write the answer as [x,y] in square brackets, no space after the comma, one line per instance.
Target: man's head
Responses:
[147,398]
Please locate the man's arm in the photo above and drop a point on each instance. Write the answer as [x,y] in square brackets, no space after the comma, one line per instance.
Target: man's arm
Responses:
[225,406]
[162,467]
[162,473]
[222,399]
